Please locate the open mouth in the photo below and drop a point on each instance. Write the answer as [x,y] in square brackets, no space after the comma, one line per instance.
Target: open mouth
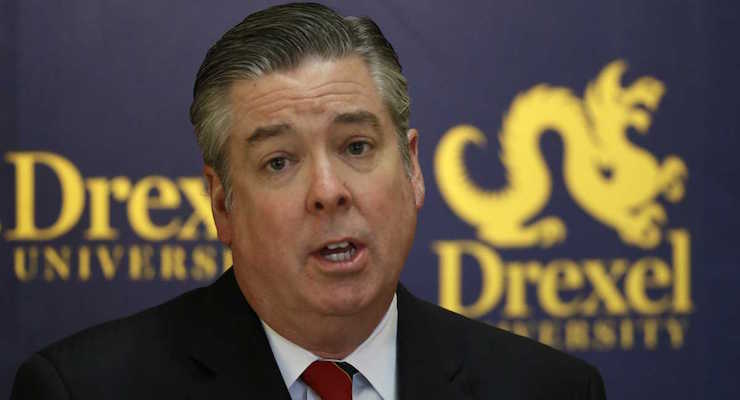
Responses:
[339,251]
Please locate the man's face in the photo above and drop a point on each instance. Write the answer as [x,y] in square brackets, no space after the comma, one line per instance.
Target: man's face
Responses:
[323,211]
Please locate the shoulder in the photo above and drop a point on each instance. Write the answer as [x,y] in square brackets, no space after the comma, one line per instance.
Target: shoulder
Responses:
[137,348]
[148,329]
[503,362]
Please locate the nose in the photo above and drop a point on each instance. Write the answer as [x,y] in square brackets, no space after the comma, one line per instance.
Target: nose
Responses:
[327,192]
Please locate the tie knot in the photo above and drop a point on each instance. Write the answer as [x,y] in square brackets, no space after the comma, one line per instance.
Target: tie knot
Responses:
[330,380]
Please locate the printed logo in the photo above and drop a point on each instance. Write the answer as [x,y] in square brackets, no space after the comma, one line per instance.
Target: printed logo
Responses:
[612,179]
[153,228]
[571,303]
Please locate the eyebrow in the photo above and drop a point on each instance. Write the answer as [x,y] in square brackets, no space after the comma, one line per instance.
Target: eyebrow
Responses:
[265,132]
[358,117]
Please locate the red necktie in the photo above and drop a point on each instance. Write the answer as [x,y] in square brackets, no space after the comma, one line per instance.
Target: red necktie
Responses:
[330,380]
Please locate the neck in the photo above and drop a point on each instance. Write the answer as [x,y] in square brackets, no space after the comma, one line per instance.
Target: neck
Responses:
[331,338]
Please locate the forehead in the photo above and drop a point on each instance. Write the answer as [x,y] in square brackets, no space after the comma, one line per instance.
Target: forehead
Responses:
[317,87]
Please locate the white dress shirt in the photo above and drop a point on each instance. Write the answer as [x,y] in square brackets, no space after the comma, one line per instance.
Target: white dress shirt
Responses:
[374,359]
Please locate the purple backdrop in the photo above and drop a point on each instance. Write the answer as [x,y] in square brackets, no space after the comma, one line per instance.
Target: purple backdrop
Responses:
[94,106]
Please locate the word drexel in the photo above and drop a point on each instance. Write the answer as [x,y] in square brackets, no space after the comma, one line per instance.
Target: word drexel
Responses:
[157,209]
[573,302]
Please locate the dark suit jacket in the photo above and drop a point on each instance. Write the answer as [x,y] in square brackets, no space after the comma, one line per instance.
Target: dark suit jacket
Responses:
[209,344]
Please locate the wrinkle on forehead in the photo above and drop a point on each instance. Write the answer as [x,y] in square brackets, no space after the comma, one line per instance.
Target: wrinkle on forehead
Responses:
[298,91]
[301,100]
[314,105]
[311,87]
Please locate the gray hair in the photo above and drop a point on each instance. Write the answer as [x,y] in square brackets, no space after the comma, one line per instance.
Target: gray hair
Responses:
[278,39]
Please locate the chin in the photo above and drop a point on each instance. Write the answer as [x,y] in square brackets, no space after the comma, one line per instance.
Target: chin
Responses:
[346,302]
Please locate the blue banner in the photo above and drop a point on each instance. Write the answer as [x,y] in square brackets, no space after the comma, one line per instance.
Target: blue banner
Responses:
[579,157]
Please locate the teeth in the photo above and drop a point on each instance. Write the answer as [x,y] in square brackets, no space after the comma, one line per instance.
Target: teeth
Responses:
[338,257]
[338,245]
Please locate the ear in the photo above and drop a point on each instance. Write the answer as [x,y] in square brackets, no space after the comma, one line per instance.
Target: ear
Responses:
[417,179]
[218,206]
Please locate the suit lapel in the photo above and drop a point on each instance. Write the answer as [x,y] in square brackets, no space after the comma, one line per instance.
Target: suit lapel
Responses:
[224,341]
[228,346]
[429,356]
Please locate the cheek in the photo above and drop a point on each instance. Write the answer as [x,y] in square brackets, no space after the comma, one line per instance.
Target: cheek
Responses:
[273,222]
[262,221]
[387,200]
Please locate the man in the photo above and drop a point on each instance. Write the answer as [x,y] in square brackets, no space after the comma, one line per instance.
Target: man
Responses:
[302,119]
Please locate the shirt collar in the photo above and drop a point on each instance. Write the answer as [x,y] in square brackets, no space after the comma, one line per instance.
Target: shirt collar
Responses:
[375,358]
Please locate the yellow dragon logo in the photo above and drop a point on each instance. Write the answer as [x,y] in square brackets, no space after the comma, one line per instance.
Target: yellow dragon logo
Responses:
[611,178]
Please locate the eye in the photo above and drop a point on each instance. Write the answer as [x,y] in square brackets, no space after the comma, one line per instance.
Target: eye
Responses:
[277,163]
[358,148]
